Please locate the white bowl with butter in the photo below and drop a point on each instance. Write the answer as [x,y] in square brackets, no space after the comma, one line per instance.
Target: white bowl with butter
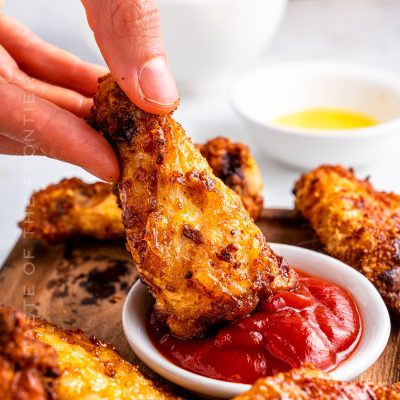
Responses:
[268,96]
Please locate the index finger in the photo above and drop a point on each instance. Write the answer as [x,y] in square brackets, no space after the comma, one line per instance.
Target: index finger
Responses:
[47,62]
[56,132]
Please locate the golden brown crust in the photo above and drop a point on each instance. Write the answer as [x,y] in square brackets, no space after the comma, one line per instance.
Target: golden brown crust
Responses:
[356,224]
[91,369]
[235,166]
[28,368]
[39,361]
[308,384]
[73,208]
[165,186]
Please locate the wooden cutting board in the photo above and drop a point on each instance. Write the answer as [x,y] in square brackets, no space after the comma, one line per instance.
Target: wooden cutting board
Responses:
[83,283]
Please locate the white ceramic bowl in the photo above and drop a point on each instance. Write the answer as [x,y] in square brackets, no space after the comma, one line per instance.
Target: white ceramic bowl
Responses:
[267,93]
[209,40]
[376,324]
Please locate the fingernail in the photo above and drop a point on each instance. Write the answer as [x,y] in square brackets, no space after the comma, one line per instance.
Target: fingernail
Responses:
[157,83]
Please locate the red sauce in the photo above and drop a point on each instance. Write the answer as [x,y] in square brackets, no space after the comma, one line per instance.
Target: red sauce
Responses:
[318,323]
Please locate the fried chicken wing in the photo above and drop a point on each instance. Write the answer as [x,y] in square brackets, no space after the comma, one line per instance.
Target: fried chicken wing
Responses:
[28,368]
[234,165]
[91,369]
[73,208]
[356,224]
[196,247]
[39,361]
[312,384]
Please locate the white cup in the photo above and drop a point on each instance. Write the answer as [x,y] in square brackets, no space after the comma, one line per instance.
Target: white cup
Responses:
[207,41]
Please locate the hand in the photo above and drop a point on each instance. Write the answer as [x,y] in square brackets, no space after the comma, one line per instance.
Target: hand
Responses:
[129,37]
[44,92]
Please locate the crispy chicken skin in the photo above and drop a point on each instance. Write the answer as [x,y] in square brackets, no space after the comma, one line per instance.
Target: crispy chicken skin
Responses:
[312,384]
[196,247]
[356,224]
[39,361]
[28,368]
[73,208]
[235,166]
[91,369]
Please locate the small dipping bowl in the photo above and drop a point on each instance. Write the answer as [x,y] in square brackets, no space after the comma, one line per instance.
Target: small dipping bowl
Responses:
[208,41]
[374,315]
[265,94]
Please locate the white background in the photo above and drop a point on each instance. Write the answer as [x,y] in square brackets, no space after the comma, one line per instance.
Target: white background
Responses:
[366,31]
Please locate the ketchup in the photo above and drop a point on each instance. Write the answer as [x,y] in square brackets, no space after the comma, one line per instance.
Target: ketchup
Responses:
[317,323]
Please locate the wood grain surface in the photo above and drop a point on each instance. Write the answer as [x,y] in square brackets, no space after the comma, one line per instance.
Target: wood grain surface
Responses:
[83,283]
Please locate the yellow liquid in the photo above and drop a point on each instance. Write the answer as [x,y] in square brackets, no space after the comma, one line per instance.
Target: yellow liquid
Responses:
[321,118]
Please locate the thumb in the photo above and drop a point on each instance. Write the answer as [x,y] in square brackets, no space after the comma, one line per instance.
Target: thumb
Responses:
[129,37]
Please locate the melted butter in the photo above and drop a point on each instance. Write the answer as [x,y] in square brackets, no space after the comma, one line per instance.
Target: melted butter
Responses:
[321,118]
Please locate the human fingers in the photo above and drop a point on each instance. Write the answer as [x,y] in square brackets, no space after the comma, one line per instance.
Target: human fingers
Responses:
[57,133]
[65,98]
[11,147]
[129,36]
[47,62]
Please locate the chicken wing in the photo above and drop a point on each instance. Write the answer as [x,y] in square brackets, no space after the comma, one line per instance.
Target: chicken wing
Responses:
[196,247]
[91,369]
[356,224]
[234,165]
[39,361]
[73,208]
[312,384]
[28,368]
